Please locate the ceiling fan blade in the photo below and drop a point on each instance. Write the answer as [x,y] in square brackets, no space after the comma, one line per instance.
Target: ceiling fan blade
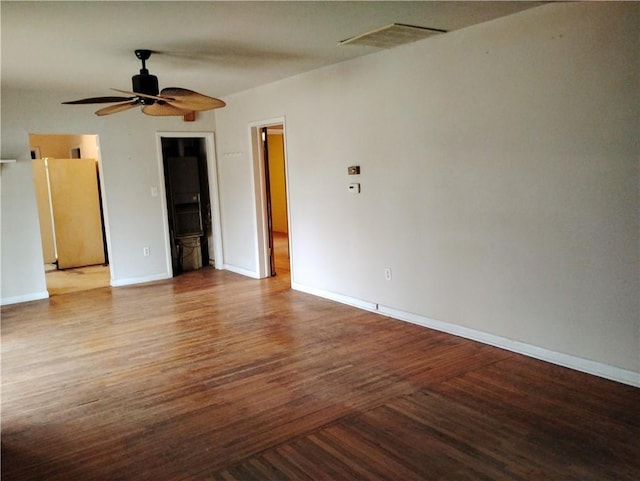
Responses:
[163,109]
[189,100]
[99,100]
[112,109]
[137,94]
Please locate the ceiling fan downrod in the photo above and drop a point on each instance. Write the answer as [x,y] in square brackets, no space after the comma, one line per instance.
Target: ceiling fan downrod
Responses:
[143,55]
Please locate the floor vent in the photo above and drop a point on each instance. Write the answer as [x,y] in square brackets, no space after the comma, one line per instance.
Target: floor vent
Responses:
[392,35]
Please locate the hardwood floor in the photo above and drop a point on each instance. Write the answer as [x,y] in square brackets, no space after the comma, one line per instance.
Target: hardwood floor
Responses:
[281,252]
[76,280]
[214,376]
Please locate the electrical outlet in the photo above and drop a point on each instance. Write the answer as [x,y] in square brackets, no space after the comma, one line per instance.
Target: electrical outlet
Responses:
[146,252]
[387,273]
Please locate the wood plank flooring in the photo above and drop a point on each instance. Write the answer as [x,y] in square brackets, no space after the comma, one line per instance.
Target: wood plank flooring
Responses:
[214,376]
[77,279]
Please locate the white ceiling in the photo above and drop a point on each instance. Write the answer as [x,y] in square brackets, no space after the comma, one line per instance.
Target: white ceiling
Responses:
[213,47]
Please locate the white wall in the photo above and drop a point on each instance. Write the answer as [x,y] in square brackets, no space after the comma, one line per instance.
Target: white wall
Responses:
[499,180]
[129,169]
[21,261]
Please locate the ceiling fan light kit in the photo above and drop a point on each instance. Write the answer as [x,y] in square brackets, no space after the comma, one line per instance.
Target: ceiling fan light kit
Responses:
[172,101]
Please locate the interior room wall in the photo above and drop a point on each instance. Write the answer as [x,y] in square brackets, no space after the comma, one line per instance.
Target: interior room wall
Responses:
[275,143]
[90,147]
[130,169]
[21,272]
[57,146]
[499,180]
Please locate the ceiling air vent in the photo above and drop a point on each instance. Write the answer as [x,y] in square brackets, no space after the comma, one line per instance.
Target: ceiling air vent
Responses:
[392,36]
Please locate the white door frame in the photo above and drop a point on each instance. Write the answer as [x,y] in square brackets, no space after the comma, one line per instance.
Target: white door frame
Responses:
[212,172]
[259,186]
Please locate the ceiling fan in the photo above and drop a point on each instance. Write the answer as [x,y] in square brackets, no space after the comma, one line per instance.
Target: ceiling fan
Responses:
[169,101]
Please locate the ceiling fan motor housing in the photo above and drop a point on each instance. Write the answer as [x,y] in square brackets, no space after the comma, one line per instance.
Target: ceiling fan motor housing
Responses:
[145,84]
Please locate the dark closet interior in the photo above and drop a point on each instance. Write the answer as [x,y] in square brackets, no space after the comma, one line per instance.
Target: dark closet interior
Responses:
[188,202]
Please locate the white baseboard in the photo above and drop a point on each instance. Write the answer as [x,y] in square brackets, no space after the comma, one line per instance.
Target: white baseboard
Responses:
[241,271]
[139,280]
[606,371]
[351,301]
[34,296]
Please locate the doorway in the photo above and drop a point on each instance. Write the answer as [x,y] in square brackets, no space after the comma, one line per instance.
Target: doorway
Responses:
[272,206]
[191,201]
[66,174]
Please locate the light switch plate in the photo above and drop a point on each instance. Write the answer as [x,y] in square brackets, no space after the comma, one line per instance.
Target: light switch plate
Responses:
[353,169]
